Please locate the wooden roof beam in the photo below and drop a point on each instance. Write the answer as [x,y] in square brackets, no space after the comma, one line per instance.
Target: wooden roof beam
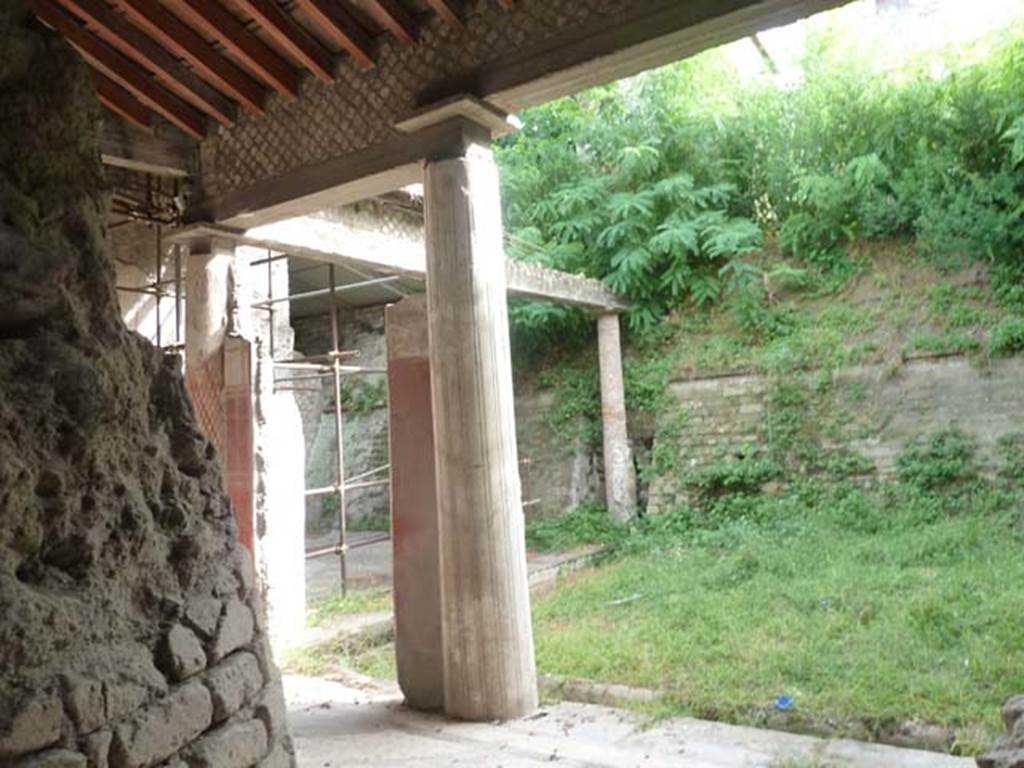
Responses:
[452,11]
[121,102]
[122,71]
[172,33]
[393,16]
[342,27]
[212,19]
[291,37]
[115,31]
[163,152]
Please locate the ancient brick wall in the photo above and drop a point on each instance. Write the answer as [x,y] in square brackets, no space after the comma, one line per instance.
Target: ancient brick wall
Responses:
[874,411]
[130,631]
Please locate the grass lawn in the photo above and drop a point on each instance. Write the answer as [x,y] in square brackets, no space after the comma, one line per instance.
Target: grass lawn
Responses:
[321,612]
[857,608]
[868,608]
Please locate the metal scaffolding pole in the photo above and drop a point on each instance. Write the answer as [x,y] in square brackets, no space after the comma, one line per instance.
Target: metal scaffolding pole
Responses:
[156,288]
[338,438]
[270,303]
[177,294]
[159,277]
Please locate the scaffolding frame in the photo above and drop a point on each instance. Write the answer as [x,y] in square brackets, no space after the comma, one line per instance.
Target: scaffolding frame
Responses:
[157,289]
[327,365]
[308,368]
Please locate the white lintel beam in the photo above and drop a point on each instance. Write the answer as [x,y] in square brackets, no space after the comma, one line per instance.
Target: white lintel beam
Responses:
[524,280]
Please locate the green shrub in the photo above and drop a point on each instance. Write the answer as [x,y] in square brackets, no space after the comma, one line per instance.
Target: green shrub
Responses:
[835,208]
[1007,338]
[586,524]
[1011,446]
[576,414]
[945,343]
[941,461]
[729,476]
[857,511]
[666,185]
[845,462]
[1008,286]
[364,396]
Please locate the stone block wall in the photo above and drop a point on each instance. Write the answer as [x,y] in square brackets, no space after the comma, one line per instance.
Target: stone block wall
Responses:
[557,474]
[874,411]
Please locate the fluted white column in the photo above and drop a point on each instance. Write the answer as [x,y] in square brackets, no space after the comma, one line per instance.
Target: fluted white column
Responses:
[488,643]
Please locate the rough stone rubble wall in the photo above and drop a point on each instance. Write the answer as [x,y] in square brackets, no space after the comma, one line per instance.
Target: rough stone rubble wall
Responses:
[359,110]
[129,626]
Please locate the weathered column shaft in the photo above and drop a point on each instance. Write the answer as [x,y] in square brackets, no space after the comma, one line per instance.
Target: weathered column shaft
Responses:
[417,588]
[619,472]
[488,644]
[207,318]
[279,453]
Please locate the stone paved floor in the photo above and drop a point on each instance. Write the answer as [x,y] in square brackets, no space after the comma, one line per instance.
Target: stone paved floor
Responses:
[365,724]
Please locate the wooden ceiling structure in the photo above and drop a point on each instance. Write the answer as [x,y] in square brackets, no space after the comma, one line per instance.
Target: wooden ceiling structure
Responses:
[268,109]
[196,63]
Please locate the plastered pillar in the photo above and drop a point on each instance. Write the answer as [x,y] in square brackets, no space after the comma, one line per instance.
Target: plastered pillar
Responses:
[257,431]
[488,644]
[218,371]
[414,523]
[207,279]
[619,472]
[208,287]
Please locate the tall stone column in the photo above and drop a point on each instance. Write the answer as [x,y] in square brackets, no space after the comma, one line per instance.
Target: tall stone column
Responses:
[417,589]
[488,643]
[619,472]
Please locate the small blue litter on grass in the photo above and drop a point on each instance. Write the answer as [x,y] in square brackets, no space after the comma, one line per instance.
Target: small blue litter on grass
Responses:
[784,703]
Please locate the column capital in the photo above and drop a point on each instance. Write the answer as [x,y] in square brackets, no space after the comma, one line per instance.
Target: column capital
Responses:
[456,124]
[208,244]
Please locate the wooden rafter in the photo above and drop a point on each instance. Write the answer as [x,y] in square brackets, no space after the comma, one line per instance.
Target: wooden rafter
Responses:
[342,27]
[115,31]
[122,71]
[163,152]
[452,11]
[290,37]
[172,33]
[393,16]
[211,18]
[121,102]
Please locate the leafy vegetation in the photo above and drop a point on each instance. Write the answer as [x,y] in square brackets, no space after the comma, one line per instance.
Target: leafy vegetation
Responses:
[1008,337]
[587,524]
[672,185]
[941,461]
[363,396]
